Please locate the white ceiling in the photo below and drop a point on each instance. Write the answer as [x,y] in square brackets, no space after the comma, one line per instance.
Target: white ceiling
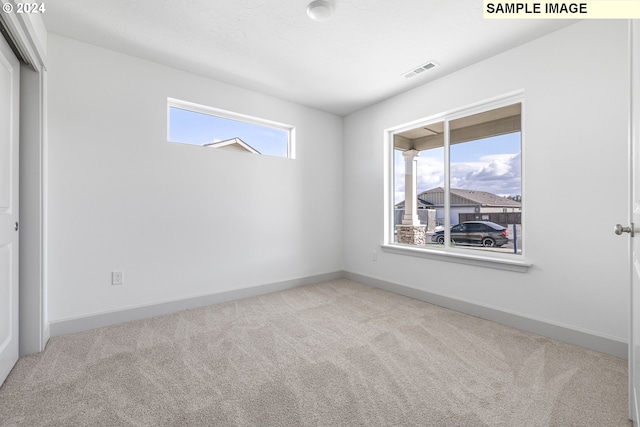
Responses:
[352,60]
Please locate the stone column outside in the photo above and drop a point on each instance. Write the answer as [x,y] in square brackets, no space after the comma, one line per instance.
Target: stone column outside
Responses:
[411,232]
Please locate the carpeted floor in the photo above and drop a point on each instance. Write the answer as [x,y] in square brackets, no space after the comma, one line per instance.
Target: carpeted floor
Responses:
[333,354]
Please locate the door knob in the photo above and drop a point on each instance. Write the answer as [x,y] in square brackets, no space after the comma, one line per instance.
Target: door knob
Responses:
[17,226]
[619,229]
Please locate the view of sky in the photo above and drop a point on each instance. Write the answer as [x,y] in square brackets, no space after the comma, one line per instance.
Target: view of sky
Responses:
[189,127]
[490,164]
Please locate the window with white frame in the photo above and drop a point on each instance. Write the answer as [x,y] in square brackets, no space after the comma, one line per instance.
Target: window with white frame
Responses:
[456,182]
[212,128]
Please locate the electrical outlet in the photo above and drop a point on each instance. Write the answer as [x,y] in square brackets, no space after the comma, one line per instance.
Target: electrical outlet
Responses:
[117,277]
[375,255]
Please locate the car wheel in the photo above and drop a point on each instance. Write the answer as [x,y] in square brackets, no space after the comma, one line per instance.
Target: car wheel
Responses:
[440,240]
[488,242]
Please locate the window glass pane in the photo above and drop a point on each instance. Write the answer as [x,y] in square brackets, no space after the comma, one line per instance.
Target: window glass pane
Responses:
[486,179]
[420,148]
[484,203]
[212,131]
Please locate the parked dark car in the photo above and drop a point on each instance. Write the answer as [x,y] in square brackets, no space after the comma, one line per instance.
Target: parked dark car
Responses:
[485,233]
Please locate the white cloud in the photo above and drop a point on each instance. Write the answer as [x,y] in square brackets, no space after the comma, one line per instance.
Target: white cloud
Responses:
[430,173]
[498,173]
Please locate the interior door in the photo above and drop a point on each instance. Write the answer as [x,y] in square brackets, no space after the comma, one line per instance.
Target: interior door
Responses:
[9,107]
[634,336]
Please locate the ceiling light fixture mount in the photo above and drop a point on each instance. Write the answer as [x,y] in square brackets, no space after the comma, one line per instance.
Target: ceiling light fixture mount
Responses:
[320,10]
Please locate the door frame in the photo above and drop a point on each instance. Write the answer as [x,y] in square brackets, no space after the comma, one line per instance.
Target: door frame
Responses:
[27,36]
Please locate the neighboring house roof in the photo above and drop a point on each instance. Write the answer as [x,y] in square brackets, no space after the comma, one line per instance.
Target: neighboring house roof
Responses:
[465,197]
[233,143]
[435,197]
[421,204]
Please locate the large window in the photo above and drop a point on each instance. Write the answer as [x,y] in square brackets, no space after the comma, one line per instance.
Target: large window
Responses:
[212,128]
[456,182]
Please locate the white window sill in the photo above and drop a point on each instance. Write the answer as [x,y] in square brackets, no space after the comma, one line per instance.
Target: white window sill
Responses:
[520,266]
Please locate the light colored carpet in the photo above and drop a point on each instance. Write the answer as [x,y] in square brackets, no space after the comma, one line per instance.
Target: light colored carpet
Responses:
[333,354]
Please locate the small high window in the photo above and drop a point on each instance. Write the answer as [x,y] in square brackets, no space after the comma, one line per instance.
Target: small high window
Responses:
[212,128]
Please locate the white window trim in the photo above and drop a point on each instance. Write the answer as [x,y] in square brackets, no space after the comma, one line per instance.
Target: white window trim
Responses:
[212,111]
[450,253]
[492,261]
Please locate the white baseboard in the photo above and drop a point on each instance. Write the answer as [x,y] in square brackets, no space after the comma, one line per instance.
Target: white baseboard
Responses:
[93,321]
[591,341]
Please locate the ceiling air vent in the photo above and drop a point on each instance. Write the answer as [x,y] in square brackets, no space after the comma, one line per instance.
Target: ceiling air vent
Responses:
[421,69]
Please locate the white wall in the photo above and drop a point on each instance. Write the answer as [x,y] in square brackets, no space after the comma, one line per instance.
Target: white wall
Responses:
[576,121]
[180,221]
[183,221]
